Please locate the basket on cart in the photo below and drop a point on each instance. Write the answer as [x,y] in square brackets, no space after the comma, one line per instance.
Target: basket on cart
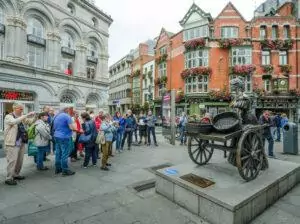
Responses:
[226,122]
[197,127]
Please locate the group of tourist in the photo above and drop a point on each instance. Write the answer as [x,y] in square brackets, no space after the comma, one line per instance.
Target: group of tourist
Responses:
[70,135]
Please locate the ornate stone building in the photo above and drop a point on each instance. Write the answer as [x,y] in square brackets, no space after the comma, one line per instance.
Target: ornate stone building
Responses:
[51,53]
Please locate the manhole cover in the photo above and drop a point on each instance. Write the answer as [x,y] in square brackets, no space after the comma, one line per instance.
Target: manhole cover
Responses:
[145,186]
[199,181]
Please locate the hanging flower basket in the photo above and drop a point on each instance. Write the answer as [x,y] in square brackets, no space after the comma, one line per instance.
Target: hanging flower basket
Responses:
[161,80]
[219,95]
[195,72]
[136,73]
[161,59]
[242,69]
[195,44]
[276,44]
[267,68]
[259,92]
[286,69]
[266,77]
[227,43]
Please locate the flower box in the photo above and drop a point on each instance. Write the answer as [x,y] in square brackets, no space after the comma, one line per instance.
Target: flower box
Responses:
[294,92]
[219,95]
[161,59]
[196,71]
[266,77]
[286,69]
[259,92]
[136,73]
[242,69]
[277,44]
[195,44]
[161,80]
[267,68]
[227,43]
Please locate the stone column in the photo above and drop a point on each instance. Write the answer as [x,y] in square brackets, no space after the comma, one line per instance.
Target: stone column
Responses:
[16,40]
[102,68]
[53,51]
[80,60]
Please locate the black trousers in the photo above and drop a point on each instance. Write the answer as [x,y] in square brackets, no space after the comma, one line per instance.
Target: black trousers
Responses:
[128,135]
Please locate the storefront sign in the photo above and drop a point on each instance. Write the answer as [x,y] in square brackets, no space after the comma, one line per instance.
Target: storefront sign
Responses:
[15,95]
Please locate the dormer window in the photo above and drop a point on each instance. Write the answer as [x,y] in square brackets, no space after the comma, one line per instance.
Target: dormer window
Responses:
[197,32]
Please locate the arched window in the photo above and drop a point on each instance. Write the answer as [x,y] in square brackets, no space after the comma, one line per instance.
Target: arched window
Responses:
[2,16]
[35,27]
[66,98]
[92,50]
[67,41]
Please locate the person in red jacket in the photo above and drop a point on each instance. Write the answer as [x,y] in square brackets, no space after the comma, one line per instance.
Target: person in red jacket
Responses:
[98,120]
[77,146]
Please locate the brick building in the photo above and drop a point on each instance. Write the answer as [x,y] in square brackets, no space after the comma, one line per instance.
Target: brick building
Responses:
[276,46]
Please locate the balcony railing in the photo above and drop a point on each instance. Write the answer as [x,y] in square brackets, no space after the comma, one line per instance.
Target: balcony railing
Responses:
[2,28]
[92,59]
[68,51]
[36,40]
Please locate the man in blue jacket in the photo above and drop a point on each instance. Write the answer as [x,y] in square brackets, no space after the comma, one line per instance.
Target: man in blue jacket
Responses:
[267,134]
[130,123]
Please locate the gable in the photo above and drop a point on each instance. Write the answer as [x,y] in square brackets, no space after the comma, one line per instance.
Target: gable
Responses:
[163,36]
[195,14]
[230,12]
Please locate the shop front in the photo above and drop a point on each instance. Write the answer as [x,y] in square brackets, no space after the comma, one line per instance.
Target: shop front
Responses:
[9,97]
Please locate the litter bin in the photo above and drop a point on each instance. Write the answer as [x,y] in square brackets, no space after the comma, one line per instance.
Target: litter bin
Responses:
[290,138]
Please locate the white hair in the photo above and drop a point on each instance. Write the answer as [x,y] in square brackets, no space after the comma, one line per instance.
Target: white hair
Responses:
[17,105]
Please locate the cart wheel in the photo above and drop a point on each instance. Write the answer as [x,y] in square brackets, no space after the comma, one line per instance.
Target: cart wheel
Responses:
[249,157]
[198,150]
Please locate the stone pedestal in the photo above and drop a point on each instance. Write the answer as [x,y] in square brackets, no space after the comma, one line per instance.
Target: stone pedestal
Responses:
[230,200]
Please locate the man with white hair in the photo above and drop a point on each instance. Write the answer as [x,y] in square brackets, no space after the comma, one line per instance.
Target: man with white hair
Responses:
[63,127]
[15,138]
[130,123]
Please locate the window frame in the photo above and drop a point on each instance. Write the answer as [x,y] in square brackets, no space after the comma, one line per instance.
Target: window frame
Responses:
[286,32]
[238,59]
[196,84]
[35,27]
[68,41]
[193,59]
[35,50]
[196,32]
[264,29]
[162,69]
[267,85]
[265,58]
[227,32]
[283,57]
[274,32]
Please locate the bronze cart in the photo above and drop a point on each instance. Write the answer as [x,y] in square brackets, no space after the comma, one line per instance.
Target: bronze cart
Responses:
[245,147]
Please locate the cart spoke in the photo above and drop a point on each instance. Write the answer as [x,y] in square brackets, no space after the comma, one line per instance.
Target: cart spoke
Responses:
[198,154]
[207,150]
[245,157]
[197,149]
[201,155]
[204,155]
[246,164]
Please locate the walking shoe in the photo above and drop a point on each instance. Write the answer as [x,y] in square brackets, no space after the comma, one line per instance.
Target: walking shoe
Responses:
[58,171]
[11,182]
[68,173]
[81,154]
[272,157]
[139,142]
[19,178]
[84,167]
[104,168]
[43,168]
[108,164]
[95,165]
[148,144]
[156,144]
[128,148]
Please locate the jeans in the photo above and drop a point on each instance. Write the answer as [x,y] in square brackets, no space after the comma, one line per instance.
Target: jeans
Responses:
[90,151]
[182,135]
[278,129]
[119,136]
[40,156]
[151,130]
[73,154]
[62,152]
[271,144]
[128,135]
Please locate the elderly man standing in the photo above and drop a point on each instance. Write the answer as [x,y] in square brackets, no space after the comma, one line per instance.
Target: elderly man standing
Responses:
[62,128]
[15,138]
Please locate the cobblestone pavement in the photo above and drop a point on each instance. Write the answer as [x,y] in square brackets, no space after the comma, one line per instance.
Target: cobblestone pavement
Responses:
[95,196]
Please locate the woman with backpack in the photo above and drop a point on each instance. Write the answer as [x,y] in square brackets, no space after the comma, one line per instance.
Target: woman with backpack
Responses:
[42,139]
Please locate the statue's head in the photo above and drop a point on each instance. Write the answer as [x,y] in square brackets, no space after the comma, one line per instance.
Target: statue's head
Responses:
[238,83]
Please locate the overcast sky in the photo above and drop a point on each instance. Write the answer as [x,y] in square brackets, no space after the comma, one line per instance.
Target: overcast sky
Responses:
[138,20]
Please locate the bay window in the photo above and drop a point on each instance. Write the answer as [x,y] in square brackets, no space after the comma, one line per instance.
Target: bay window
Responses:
[196,84]
[229,32]
[196,58]
[241,56]
[197,32]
